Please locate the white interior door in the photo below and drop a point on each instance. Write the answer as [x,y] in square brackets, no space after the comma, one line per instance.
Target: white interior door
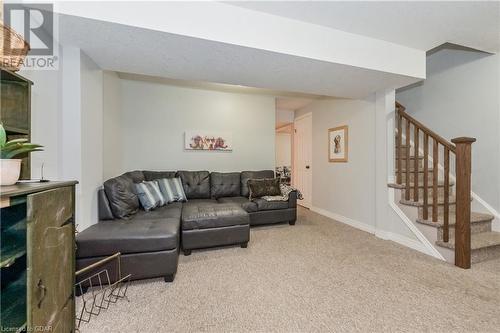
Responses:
[303,168]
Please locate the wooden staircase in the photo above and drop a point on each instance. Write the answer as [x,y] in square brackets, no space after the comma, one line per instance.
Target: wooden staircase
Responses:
[442,203]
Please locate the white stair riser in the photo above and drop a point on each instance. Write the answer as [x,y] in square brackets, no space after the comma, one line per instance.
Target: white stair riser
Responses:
[403,164]
[412,176]
[430,192]
[440,210]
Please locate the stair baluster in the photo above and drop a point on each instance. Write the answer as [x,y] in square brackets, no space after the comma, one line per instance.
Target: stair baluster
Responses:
[426,177]
[407,167]
[399,144]
[435,158]
[415,164]
[446,208]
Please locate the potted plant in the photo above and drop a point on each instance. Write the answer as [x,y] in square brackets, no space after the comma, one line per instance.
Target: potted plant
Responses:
[10,167]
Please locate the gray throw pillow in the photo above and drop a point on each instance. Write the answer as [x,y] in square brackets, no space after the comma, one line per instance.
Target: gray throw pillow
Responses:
[261,187]
[172,189]
[149,195]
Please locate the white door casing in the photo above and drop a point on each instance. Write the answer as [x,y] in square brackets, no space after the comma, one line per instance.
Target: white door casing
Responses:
[303,158]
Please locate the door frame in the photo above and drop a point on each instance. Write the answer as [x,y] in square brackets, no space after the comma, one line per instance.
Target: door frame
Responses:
[309,114]
[291,128]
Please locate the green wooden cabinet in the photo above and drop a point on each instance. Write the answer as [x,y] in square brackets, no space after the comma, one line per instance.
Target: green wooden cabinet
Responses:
[37,256]
[15,111]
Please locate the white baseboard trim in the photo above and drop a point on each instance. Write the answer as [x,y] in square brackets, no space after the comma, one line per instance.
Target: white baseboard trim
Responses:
[422,246]
[346,220]
[402,240]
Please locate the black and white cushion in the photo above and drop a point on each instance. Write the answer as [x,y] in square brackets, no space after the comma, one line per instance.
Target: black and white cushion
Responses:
[172,189]
[149,195]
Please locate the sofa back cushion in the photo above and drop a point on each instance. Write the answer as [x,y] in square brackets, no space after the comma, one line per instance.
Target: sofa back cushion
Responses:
[246,175]
[154,175]
[225,184]
[196,184]
[121,195]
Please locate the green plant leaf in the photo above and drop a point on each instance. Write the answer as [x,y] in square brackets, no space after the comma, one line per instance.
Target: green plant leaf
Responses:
[18,145]
[3,136]
[15,141]
[13,153]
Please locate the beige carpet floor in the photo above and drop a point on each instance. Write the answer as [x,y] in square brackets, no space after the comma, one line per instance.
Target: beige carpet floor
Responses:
[316,276]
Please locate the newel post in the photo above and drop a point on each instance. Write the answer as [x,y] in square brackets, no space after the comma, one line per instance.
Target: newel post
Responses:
[463,197]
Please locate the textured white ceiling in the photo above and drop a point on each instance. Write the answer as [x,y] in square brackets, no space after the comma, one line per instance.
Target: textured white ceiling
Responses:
[417,24]
[135,50]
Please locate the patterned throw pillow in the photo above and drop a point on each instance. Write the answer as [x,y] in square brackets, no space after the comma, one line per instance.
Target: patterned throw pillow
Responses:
[149,195]
[172,189]
[262,187]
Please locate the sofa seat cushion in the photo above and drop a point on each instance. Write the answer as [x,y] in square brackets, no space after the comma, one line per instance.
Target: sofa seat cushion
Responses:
[246,204]
[217,215]
[171,210]
[128,236]
[270,205]
[200,202]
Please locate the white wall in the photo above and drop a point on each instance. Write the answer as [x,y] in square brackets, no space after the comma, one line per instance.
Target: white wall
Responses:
[155,116]
[112,108]
[461,97]
[91,139]
[349,192]
[45,121]
[283,149]
[345,189]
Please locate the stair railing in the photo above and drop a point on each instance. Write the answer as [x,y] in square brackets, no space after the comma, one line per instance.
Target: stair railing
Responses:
[462,149]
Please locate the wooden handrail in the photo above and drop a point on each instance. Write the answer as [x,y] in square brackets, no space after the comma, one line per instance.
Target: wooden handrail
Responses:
[461,148]
[427,130]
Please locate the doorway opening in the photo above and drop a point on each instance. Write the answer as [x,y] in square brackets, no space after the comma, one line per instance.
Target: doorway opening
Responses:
[294,144]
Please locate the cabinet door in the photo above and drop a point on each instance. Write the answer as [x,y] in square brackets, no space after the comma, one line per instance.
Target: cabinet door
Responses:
[50,231]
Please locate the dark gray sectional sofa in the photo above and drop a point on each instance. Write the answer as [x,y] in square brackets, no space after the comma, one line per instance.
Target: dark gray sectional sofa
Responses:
[217,213]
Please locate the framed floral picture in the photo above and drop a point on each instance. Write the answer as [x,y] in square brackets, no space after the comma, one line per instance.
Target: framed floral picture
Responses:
[338,144]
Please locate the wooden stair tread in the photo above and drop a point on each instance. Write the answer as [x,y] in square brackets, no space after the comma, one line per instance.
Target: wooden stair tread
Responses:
[420,202]
[412,157]
[475,217]
[412,169]
[478,241]
[420,184]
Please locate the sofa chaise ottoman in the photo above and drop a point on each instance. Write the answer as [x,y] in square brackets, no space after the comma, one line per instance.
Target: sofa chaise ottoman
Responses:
[213,225]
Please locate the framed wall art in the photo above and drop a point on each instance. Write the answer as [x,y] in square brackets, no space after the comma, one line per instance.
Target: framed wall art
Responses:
[211,141]
[338,144]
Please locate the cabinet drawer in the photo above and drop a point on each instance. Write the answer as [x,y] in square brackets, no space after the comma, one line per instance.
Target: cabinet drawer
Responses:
[51,208]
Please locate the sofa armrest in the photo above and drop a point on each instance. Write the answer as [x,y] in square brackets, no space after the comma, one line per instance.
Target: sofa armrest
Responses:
[292,199]
[104,209]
